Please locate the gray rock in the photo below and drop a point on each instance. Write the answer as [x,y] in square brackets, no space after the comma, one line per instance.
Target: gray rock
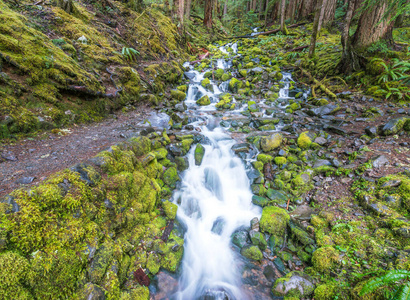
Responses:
[218,226]
[393,126]
[256,70]
[189,75]
[371,131]
[180,107]
[324,110]
[25,180]
[260,201]
[255,224]
[294,282]
[258,239]
[87,173]
[380,161]
[242,147]
[303,213]
[321,163]
[336,163]
[175,150]
[320,140]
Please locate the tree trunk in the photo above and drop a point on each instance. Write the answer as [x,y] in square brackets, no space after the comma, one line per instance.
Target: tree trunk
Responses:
[266,12]
[293,4]
[208,14]
[282,17]
[373,25]
[329,12]
[321,15]
[349,61]
[307,9]
[188,9]
[66,5]
[225,8]
[315,27]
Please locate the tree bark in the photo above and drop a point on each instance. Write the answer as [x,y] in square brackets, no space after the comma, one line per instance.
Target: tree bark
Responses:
[188,9]
[66,5]
[208,14]
[373,25]
[315,29]
[329,12]
[321,15]
[307,9]
[349,61]
[282,17]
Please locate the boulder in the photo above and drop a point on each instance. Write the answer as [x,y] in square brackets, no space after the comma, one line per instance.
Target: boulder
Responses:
[271,142]
[295,284]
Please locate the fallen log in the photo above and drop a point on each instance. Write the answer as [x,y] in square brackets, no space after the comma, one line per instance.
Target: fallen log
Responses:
[266,32]
[318,84]
[298,48]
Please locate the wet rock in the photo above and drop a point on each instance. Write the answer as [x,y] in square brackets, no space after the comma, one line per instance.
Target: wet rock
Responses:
[199,154]
[182,163]
[215,295]
[324,110]
[279,265]
[271,142]
[175,150]
[241,147]
[189,75]
[203,101]
[278,197]
[218,226]
[11,205]
[240,238]
[213,182]
[301,235]
[255,224]
[380,209]
[258,239]
[393,126]
[181,107]
[296,284]
[25,180]
[260,201]
[380,161]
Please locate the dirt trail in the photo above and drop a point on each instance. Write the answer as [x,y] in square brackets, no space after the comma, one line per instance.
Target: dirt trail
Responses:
[31,161]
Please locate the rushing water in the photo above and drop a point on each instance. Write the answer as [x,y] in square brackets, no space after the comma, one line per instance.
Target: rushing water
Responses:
[214,200]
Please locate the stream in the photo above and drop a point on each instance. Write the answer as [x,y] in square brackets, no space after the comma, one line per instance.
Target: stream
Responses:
[215,197]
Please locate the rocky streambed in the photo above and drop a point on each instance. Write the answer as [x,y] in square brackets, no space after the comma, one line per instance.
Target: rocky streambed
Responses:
[242,186]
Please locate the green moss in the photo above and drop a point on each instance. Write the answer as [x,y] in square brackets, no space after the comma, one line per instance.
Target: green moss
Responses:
[252,252]
[186,145]
[274,220]
[318,222]
[324,258]
[204,100]
[325,292]
[264,158]
[219,73]
[280,160]
[170,177]
[15,275]
[170,209]
[234,85]
[225,77]
[225,102]
[304,140]
[178,95]
[182,88]
[205,82]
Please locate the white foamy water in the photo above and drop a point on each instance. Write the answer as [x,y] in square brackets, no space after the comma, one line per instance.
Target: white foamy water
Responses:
[214,200]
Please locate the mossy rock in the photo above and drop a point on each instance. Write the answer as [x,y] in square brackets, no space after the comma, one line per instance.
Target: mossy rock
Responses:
[178,95]
[280,160]
[264,158]
[170,209]
[304,140]
[234,85]
[252,252]
[271,142]
[219,73]
[274,220]
[325,291]
[203,101]
[225,77]
[324,258]
[199,154]
[294,284]
[170,177]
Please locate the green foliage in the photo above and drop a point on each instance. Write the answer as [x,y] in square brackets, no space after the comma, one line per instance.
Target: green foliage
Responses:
[130,54]
[398,280]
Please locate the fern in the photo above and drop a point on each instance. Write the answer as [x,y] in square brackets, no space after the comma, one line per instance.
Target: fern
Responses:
[130,53]
[399,279]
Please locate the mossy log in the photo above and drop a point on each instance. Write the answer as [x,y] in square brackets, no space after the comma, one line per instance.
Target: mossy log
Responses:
[318,83]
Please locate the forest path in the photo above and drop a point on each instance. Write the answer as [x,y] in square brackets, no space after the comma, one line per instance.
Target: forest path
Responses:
[30,161]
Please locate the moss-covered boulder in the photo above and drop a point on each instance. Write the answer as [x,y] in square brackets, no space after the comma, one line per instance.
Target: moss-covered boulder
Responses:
[252,252]
[199,154]
[170,209]
[274,220]
[271,142]
[203,101]
[170,177]
[295,284]
[304,140]
[178,95]
[234,85]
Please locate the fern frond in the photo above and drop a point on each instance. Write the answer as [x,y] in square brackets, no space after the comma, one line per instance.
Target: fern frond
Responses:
[396,275]
[372,285]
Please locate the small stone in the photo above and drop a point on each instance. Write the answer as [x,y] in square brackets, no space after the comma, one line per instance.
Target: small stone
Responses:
[320,140]
[25,180]
[380,161]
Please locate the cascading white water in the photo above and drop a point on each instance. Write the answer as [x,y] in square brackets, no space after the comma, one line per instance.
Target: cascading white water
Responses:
[284,92]
[214,200]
